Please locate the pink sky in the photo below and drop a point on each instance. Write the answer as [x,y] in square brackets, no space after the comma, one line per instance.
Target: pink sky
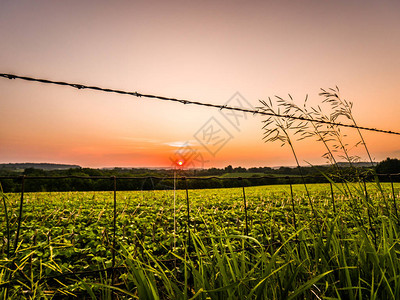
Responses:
[199,50]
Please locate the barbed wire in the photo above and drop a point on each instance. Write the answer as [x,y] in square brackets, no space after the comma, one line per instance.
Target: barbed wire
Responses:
[184,101]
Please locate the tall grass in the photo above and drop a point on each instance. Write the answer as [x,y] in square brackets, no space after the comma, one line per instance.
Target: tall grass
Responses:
[332,263]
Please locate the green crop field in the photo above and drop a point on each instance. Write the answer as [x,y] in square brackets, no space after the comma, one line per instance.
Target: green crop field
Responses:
[348,248]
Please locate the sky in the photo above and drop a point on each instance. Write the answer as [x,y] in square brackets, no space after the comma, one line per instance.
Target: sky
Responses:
[223,52]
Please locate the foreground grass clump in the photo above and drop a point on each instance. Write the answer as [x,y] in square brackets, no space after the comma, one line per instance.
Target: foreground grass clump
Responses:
[309,266]
[289,253]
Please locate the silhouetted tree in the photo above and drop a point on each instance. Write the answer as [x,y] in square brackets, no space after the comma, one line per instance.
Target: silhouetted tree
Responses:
[388,166]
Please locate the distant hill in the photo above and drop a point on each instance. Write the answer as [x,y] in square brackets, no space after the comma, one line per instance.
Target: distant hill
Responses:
[42,166]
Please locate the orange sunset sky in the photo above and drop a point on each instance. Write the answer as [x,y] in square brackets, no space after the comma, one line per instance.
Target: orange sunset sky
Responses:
[211,51]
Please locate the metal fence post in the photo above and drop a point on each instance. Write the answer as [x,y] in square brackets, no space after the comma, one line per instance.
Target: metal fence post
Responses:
[394,198]
[114,230]
[333,198]
[368,210]
[188,209]
[292,198]
[3,196]
[20,214]
[245,205]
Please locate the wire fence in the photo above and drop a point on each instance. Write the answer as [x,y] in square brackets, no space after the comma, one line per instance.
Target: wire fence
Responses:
[242,184]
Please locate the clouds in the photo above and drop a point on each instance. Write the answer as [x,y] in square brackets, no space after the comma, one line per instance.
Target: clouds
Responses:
[180,144]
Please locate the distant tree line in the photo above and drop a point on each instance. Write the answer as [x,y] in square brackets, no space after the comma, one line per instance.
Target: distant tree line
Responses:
[227,177]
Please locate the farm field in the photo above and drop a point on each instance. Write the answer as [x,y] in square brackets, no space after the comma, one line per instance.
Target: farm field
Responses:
[346,249]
